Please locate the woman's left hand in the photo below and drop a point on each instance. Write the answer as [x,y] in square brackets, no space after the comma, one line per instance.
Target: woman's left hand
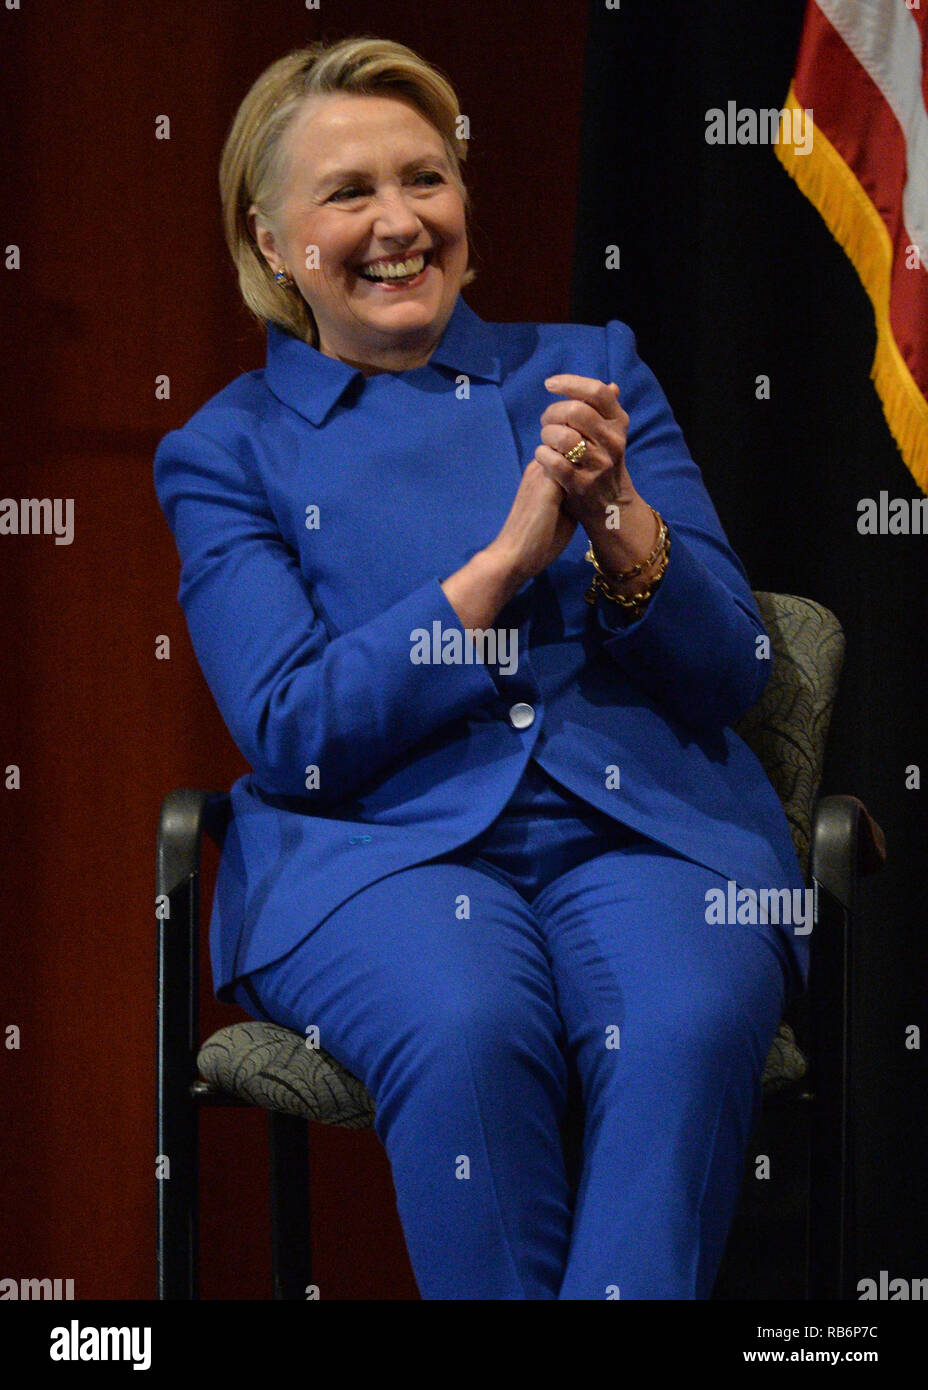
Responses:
[599,480]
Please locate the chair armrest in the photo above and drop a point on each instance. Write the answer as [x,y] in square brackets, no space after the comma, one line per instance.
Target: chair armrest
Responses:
[847,843]
[185,814]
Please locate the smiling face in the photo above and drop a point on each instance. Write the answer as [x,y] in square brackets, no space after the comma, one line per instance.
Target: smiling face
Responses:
[369,185]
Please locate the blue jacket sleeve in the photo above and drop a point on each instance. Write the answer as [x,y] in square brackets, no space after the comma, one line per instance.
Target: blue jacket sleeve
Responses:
[292,695]
[695,649]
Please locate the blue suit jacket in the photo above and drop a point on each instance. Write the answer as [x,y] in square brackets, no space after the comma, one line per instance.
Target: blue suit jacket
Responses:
[303,624]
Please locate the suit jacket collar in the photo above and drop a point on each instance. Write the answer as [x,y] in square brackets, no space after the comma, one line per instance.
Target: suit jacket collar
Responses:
[311,382]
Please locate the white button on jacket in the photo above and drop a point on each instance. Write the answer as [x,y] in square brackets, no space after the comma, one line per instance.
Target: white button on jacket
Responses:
[522,716]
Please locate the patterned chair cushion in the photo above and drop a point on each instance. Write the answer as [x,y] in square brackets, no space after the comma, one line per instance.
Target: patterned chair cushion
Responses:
[785,1064]
[788,726]
[268,1065]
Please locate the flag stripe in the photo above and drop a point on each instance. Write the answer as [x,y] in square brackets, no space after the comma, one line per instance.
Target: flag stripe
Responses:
[848,108]
[885,40]
[920,17]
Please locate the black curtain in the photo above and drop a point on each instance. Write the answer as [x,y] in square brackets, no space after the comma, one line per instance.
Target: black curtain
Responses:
[728,273]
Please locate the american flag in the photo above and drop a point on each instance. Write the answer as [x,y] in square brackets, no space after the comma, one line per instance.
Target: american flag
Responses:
[861,78]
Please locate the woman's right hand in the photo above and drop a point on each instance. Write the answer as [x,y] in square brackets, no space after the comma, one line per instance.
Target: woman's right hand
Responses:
[534,533]
[537,528]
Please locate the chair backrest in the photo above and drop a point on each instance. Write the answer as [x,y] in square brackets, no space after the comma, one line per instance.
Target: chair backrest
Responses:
[788,727]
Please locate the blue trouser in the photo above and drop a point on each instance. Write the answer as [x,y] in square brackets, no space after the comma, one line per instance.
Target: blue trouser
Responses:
[461,990]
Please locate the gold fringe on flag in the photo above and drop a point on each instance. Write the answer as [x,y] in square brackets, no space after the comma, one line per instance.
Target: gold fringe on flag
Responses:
[833,188]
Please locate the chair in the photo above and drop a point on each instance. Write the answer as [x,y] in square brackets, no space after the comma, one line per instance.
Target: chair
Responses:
[267,1065]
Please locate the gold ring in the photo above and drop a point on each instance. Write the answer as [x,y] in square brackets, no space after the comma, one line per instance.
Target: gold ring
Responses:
[575,454]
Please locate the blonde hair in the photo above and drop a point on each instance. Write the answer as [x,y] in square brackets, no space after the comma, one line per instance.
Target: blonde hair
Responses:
[251,170]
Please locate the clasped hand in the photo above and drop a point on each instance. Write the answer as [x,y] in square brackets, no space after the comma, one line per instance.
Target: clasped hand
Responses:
[555,495]
[599,480]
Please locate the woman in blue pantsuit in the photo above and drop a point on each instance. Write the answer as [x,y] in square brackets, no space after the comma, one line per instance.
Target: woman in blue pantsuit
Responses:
[469,613]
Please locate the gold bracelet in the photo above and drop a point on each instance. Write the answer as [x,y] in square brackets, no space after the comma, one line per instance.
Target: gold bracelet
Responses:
[643,564]
[632,603]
